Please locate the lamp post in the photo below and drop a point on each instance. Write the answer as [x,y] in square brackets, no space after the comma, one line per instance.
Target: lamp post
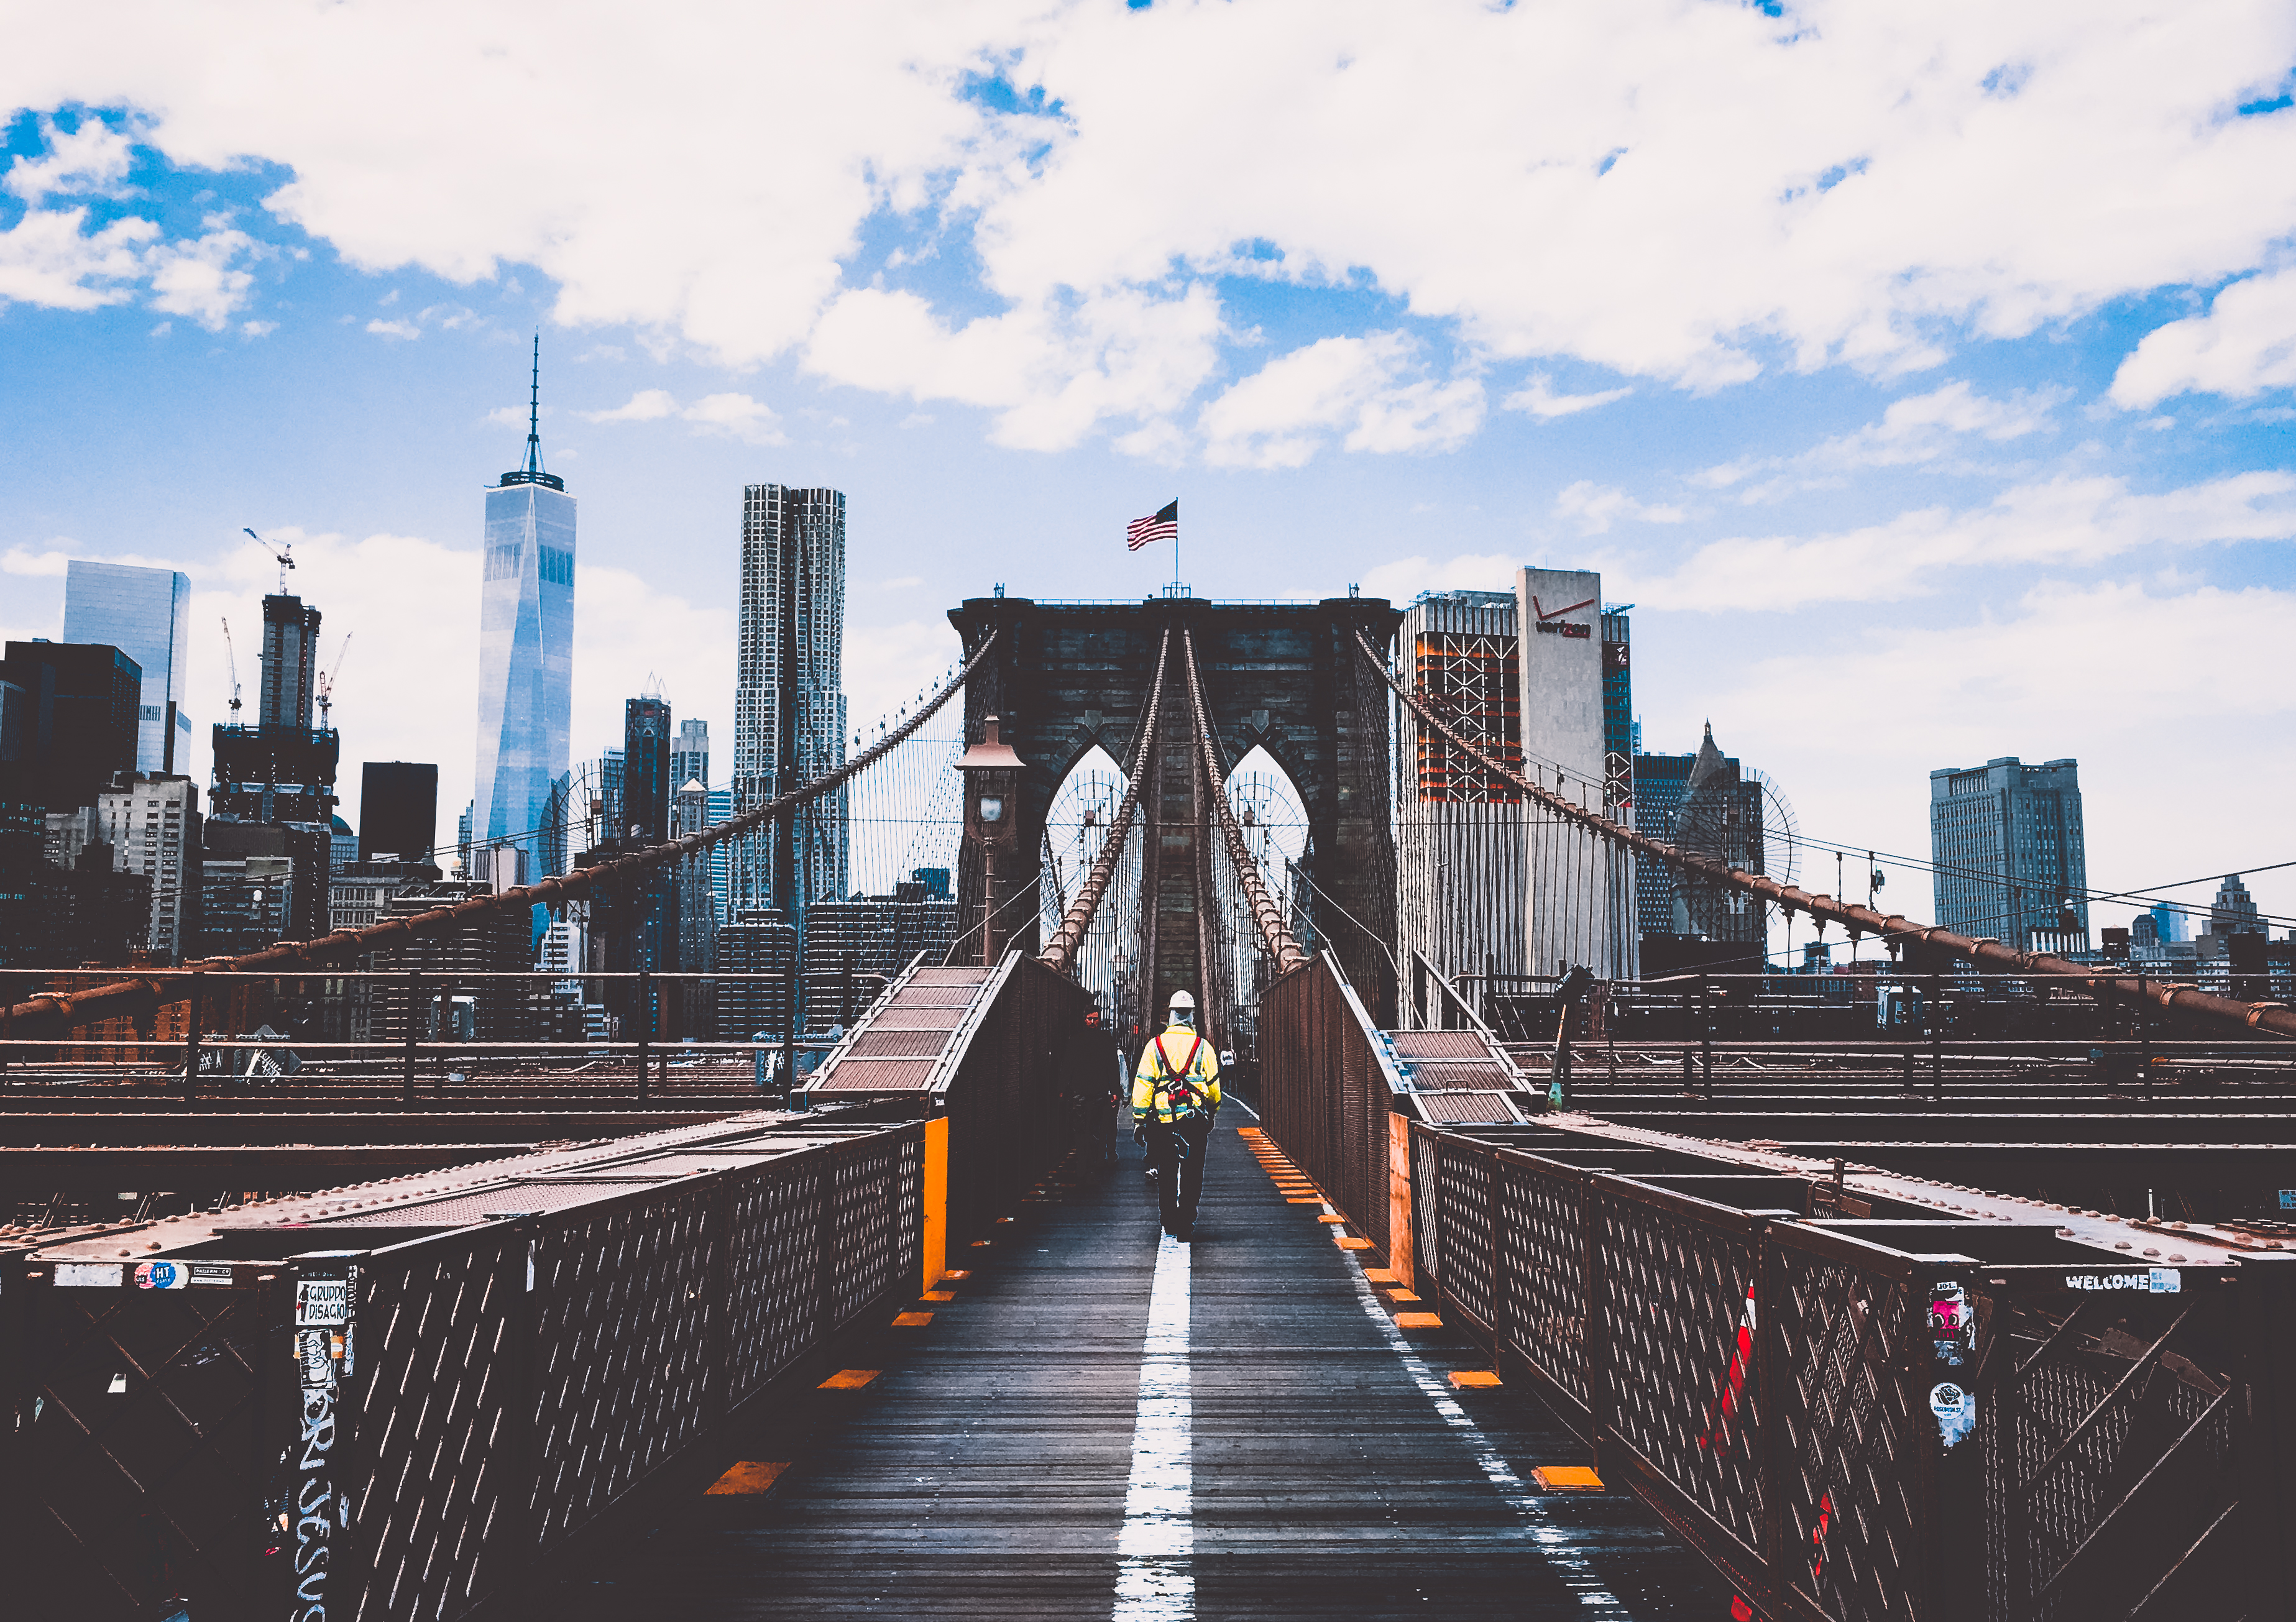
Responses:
[992,819]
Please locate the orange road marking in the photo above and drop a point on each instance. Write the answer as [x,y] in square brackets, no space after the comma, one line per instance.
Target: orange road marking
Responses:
[849,1380]
[1304,1199]
[1401,1295]
[1355,1244]
[1329,1217]
[1417,1320]
[1473,1380]
[957,1277]
[948,1295]
[912,1320]
[747,1477]
[1379,1276]
[1567,1479]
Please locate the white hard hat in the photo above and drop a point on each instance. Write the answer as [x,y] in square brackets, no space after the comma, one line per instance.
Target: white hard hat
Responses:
[1181,999]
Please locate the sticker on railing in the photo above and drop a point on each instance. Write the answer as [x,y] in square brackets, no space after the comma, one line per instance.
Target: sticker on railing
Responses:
[96,1275]
[1742,1360]
[1956,1407]
[323,1301]
[160,1275]
[1951,1324]
[2155,1281]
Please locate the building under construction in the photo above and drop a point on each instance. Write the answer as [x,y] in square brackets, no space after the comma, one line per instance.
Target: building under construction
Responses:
[1461,848]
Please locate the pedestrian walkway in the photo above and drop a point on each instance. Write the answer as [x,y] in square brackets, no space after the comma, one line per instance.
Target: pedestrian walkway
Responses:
[1100,1422]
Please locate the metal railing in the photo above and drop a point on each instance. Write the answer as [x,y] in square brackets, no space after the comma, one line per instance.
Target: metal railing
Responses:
[1326,1088]
[493,1386]
[1882,1420]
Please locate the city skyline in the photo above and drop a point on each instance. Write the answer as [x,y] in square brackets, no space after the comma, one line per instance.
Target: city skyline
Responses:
[1939,420]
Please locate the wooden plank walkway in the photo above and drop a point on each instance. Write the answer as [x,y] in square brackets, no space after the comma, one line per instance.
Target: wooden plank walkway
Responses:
[1327,1467]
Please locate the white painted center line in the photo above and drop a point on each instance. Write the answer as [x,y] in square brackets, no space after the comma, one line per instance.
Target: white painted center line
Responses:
[1555,1544]
[1154,1582]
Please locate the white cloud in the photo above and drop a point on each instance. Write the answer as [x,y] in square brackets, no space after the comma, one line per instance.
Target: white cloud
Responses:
[736,416]
[1596,507]
[2245,344]
[1534,181]
[258,329]
[1053,373]
[54,561]
[1361,388]
[394,328]
[195,276]
[1538,398]
[646,406]
[2060,522]
[1916,428]
[91,159]
[506,416]
[48,257]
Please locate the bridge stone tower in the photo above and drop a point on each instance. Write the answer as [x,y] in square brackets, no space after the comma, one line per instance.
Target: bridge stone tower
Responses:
[1285,677]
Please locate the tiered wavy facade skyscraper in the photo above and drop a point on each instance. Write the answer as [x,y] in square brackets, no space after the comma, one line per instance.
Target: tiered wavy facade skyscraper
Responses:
[526,652]
[789,698]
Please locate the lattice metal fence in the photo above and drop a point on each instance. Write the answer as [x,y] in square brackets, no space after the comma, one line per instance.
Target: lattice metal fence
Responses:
[1324,1089]
[485,1391]
[1034,1082]
[1887,1422]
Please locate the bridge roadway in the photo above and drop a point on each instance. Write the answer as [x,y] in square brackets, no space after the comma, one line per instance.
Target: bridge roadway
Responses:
[1310,1457]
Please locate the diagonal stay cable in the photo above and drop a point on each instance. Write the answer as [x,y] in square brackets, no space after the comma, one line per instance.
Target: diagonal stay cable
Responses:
[1286,951]
[1061,949]
[2274,1018]
[50,1009]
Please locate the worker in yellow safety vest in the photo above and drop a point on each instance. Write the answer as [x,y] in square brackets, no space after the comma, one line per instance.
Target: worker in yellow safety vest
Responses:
[1175,1093]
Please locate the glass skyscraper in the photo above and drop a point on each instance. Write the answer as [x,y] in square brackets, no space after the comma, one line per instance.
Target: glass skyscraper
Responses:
[526,651]
[2009,853]
[145,613]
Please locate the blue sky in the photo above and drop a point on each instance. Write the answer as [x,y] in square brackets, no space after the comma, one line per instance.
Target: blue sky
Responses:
[1926,381]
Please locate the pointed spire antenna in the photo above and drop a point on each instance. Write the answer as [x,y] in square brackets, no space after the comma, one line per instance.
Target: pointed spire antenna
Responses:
[534,412]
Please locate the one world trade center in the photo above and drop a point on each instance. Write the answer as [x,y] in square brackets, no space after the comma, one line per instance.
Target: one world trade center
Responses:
[526,658]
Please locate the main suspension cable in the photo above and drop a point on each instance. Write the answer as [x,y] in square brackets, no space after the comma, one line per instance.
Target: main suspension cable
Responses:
[118,998]
[1061,949]
[1273,929]
[2272,1017]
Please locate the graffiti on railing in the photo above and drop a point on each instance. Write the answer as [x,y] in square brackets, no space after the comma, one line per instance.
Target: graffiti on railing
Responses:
[317,1506]
[1733,1379]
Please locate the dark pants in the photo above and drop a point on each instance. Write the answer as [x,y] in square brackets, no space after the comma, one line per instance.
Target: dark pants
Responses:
[1178,1182]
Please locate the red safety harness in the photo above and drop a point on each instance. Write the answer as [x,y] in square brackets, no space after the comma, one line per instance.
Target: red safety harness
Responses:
[1185,1095]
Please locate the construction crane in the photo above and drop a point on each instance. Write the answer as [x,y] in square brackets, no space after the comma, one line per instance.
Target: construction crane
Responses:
[284,555]
[231,660]
[327,680]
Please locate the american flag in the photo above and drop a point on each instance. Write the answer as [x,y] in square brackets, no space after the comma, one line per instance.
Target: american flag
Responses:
[1162,525]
